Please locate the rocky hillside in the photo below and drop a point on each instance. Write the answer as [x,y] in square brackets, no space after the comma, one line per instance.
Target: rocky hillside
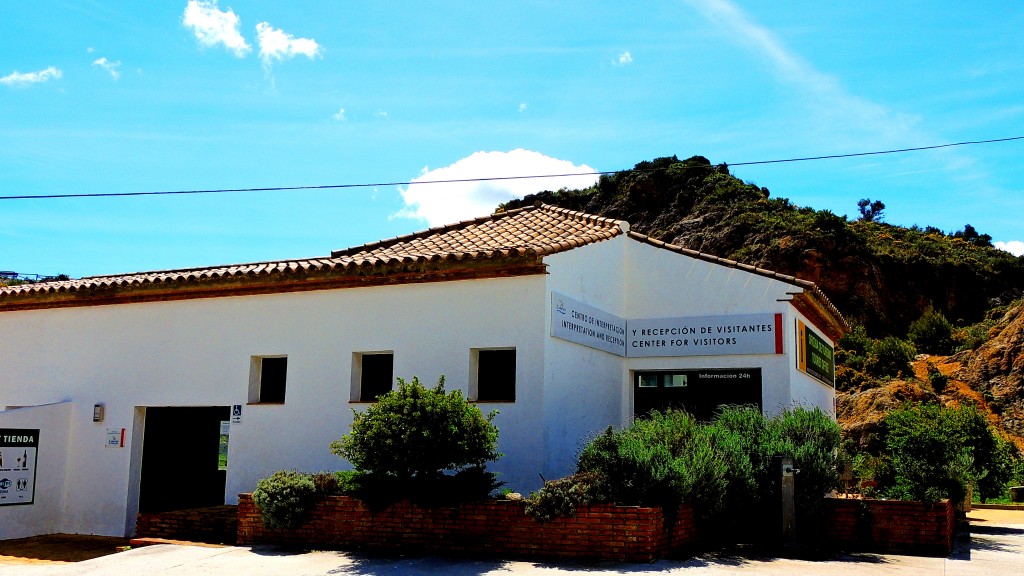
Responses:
[882,277]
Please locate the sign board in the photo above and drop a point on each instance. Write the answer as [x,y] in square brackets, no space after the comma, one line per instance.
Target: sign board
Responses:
[18,458]
[236,414]
[584,324]
[115,438]
[815,357]
[705,335]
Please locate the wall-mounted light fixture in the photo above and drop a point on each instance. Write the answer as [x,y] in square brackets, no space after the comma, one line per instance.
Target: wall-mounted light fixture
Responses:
[97,413]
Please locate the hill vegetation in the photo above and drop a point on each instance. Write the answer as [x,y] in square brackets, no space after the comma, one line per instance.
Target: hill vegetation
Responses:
[937,316]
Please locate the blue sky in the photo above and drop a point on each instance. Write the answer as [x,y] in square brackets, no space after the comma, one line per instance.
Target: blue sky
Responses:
[127,96]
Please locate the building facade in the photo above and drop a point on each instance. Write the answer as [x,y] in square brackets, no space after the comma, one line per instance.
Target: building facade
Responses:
[177,389]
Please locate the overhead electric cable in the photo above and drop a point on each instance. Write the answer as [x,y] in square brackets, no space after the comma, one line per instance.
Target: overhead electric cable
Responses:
[484,179]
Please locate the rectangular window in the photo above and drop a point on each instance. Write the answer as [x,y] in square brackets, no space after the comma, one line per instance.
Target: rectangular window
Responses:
[373,375]
[267,378]
[494,379]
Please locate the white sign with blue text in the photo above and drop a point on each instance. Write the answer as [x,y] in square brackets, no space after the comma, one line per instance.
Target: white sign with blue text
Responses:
[584,324]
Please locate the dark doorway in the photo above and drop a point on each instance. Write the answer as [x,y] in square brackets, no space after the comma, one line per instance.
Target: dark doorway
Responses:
[699,392]
[180,457]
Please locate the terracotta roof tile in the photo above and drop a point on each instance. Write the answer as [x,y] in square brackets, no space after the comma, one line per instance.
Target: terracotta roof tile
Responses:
[537,230]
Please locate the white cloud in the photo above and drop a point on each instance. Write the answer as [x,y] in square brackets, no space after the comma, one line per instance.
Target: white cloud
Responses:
[522,107]
[382,114]
[213,26]
[111,67]
[276,44]
[1015,247]
[623,59]
[454,201]
[339,115]
[21,80]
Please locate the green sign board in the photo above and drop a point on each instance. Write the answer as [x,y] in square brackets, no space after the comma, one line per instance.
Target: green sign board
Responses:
[816,356]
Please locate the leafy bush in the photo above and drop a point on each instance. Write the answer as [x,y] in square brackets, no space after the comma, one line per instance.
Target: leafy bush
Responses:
[890,356]
[420,443]
[284,498]
[560,498]
[934,452]
[418,431]
[937,379]
[932,333]
[723,467]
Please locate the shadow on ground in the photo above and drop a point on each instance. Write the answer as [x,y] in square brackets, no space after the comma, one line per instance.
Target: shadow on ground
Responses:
[58,548]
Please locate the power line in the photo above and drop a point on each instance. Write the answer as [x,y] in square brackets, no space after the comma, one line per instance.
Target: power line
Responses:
[485,179]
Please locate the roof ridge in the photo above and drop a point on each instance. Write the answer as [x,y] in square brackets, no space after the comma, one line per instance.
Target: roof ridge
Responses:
[585,216]
[424,233]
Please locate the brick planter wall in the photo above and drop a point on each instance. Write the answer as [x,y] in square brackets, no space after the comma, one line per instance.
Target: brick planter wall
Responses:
[498,527]
[214,525]
[890,526]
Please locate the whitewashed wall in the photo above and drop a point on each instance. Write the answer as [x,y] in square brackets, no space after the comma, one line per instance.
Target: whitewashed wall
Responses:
[43,516]
[197,353]
[585,389]
[589,389]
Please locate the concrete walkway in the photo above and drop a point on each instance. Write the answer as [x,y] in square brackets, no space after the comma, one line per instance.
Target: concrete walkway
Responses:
[995,546]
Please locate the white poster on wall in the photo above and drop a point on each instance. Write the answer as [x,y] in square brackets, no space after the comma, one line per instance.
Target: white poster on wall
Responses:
[705,335]
[584,324]
[18,455]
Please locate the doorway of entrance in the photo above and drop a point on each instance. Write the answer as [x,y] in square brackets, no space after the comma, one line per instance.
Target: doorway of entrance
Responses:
[699,392]
[180,458]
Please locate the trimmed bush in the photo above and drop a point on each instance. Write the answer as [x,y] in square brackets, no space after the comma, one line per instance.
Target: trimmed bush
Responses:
[284,498]
[421,443]
[418,431]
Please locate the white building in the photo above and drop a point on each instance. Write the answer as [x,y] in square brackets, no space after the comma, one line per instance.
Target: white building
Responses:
[114,389]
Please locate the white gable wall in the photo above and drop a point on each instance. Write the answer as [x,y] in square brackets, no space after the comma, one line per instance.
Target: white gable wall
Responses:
[589,389]
[585,391]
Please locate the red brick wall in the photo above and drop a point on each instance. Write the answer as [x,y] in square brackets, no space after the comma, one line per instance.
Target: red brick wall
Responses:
[890,526]
[214,525]
[604,532]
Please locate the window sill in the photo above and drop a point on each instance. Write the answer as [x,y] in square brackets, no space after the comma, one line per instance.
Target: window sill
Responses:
[265,404]
[492,401]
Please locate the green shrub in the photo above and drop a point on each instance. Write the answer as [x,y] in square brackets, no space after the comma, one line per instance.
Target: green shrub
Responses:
[420,443]
[932,333]
[937,379]
[890,356]
[724,467]
[414,431]
[934,452]
[560,498]
[284,498]
[812,437]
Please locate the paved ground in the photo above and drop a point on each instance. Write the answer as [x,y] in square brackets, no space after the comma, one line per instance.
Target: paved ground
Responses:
[995,546]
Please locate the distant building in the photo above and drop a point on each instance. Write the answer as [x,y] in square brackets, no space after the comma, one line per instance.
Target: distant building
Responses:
[180,388]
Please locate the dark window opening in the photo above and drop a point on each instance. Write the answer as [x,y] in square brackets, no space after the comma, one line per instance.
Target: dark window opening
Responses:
[273,375]
[376,375]
[699,392]
[496,376]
